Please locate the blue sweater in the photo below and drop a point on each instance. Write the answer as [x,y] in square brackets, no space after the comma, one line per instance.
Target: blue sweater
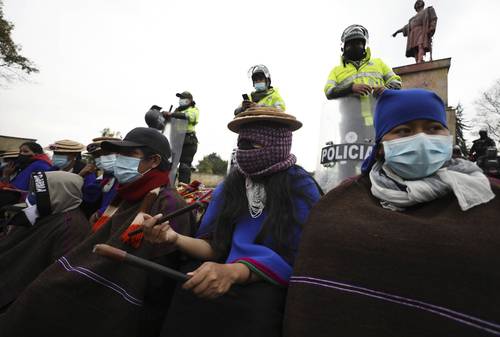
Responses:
[261,258]
[22,179]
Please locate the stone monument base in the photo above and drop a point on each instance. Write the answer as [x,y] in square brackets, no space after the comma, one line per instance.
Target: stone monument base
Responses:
[432,75]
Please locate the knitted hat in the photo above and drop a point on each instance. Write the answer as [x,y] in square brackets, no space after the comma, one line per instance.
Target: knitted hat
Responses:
[396,107]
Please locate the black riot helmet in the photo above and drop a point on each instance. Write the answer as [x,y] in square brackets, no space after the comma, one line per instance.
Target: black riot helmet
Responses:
[154,118]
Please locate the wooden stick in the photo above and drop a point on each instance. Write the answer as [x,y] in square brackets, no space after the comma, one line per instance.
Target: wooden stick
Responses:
[198,203]
[122,256]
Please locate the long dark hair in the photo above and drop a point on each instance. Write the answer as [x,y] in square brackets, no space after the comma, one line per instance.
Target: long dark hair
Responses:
[281,222]
[35,147]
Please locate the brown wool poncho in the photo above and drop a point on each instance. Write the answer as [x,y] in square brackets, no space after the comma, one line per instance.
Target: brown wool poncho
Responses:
[362,270]
[83,294]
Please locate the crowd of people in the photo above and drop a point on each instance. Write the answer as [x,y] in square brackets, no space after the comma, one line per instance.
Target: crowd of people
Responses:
[407,248]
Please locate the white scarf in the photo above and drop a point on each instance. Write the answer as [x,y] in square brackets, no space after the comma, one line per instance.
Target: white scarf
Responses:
[465,179]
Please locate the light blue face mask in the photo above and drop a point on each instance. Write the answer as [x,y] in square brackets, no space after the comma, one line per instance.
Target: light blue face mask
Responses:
[106,163]
[60,160]
[126,169]
[260,86]
[418,156]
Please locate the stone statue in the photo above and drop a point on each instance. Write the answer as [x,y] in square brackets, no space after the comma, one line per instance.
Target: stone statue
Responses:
[419,31]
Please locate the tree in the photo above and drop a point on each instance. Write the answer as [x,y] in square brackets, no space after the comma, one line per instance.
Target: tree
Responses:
[212,164]
[106,132]
[13,65]
[488,110]
[460,127]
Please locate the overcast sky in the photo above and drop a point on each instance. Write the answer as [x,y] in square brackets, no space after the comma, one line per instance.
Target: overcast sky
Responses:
[103,63]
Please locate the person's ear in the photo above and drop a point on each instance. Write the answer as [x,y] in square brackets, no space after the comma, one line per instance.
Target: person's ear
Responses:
[155,161]
[380,152]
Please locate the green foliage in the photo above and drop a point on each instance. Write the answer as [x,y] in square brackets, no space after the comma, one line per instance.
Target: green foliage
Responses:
[212,164]
[461,126]
[12,63]
[106,132]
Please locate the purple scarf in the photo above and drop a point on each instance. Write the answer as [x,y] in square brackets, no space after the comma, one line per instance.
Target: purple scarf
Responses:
[274,156]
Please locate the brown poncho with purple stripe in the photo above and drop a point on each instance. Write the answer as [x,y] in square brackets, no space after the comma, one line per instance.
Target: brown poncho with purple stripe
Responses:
[84,294]
[362,270]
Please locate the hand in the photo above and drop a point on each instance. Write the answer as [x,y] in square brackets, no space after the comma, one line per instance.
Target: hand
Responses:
[248,104]
[158,233]
[94,217]
[212,280]
[361,89]
[8,170]
[166,114]
[377,91]
[89,168]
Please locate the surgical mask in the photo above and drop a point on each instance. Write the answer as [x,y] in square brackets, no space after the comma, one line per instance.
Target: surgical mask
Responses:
[107,163]
[97,162]
[418,156]
[184,102]
[126,169]
[60,161]
[260,86]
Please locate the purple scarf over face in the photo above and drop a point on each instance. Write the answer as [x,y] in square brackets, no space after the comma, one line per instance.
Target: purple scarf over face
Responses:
[274,156]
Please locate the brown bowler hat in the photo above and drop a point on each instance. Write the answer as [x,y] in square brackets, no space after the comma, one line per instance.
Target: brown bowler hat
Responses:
[10,154]
[264,114]
[66,145]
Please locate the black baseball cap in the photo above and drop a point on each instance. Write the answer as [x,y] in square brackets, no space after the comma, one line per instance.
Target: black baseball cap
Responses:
[185,94]
[142,137]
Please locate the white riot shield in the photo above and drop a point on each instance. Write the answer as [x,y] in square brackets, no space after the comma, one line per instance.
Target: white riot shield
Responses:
[175,130]
[346,139]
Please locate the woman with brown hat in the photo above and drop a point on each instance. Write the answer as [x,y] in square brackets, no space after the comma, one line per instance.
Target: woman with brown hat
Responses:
[102,189]
[67,155]
[249,235]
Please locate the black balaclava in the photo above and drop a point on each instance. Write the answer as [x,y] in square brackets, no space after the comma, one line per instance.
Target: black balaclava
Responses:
[354,51]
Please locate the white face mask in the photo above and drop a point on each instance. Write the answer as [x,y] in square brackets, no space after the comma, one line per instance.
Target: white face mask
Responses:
[107,163]
[184,102]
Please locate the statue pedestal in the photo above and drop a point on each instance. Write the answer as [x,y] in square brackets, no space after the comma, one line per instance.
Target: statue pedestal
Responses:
[432,75]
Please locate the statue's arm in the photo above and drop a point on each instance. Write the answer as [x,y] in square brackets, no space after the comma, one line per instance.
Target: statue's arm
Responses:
[397,32]
[403,30]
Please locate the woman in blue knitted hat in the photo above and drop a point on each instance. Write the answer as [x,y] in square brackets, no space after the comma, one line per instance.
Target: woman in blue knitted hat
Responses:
[410,247]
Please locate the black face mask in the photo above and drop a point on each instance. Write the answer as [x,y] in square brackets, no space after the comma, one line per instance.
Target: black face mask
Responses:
[23,159]
[354,53]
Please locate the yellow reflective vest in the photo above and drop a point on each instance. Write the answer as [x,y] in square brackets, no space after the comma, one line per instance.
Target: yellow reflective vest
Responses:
[373,72]
[272,98]
[192,115]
